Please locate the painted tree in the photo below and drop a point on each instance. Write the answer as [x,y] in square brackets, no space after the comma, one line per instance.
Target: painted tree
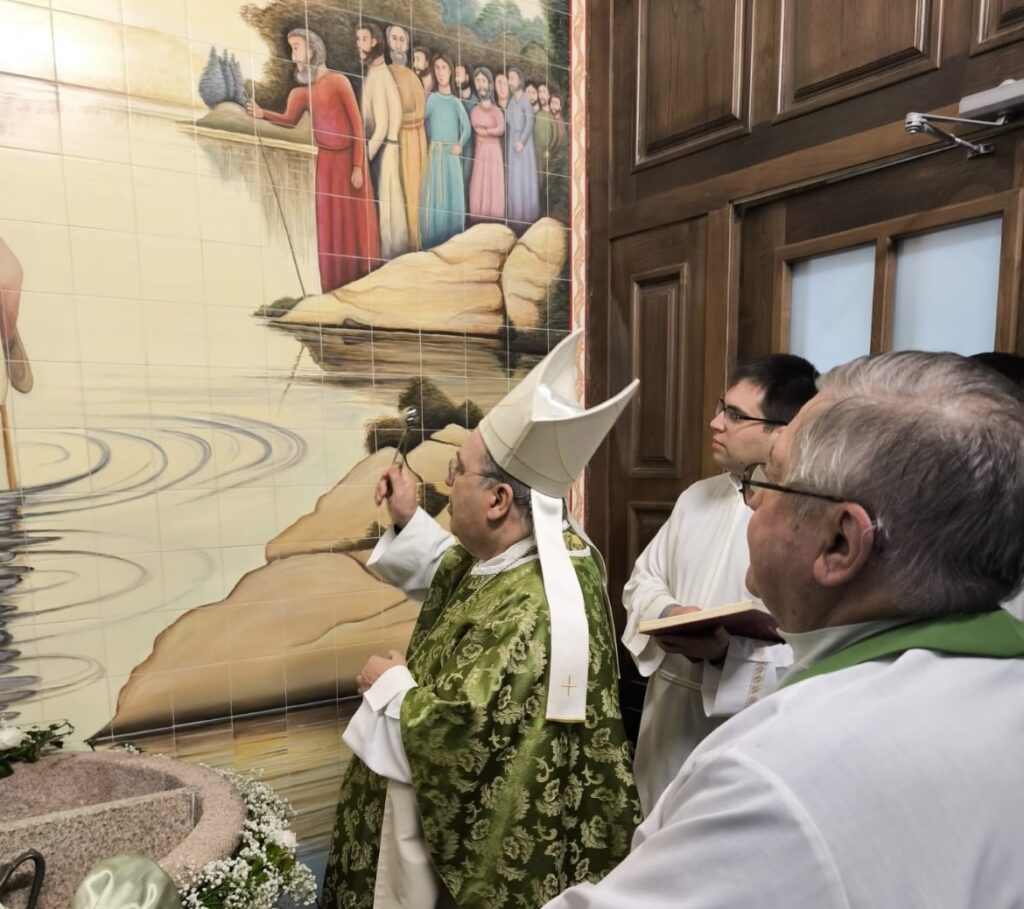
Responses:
[459,12]
[558,187]
[503,17]
[558,38]
[237,80]
[212,85]
[490,23]
[229,76]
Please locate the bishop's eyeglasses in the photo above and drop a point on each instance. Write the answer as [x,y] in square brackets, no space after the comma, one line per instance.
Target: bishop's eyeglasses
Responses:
[456,470]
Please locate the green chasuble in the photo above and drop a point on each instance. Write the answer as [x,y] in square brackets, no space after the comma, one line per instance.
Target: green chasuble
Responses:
[514,809]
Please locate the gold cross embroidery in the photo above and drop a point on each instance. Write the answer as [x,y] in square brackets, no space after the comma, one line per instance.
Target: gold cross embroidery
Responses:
[568,686]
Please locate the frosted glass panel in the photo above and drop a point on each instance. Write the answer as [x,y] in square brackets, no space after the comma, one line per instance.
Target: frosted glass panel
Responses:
[946,288]
[830,312]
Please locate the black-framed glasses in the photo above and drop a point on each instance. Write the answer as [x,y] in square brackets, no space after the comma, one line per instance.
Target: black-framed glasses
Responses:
[735,415]
[455,470]
[748,485]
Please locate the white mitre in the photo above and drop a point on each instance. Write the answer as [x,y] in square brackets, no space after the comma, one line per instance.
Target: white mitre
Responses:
[543,436]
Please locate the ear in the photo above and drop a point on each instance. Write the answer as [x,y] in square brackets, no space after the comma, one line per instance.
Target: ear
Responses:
[848,544]
[500,502]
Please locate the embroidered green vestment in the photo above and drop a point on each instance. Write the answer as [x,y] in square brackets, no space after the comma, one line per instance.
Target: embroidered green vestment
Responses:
[514,808]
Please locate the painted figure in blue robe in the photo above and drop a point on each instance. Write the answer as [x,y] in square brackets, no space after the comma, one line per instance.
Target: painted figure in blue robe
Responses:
[464,90]
[443,200]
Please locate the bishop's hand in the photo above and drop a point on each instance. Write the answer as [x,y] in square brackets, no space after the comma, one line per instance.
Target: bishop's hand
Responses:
[397,487]
[375,667]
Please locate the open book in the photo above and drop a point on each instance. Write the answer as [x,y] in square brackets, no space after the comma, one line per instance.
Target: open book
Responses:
[747,619]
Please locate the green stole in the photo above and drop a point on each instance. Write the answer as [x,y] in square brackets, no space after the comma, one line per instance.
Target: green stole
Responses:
[995,634]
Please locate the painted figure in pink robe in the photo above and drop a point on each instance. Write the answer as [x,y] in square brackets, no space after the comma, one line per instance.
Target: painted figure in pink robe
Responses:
[487,181]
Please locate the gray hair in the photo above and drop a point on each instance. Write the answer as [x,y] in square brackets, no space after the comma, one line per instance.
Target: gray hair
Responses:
[932,445]
[317,48]
[521,493]
[396,57]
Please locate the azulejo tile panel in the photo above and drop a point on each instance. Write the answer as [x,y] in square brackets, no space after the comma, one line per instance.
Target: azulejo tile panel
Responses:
[236,242]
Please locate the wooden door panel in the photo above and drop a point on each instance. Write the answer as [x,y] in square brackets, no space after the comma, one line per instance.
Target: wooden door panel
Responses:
[655,308]
[693,88]
[833,49]
[997,22]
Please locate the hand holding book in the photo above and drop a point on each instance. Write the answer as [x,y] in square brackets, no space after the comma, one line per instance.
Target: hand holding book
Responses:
[747,619]
[710,644]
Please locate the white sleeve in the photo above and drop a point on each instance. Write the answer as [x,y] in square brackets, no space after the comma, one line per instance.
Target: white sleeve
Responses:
[409,560]
[752,670]
[375,732]
[732,834]
[647,594]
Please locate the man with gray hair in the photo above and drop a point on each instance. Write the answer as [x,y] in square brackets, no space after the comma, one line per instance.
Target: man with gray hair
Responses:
[886,771]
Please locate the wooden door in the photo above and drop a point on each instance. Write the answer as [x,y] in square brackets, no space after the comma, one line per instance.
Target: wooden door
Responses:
[656,331]
[727,139]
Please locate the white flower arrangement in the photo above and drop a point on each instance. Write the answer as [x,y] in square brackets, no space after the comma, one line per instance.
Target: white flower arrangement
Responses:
[263,867]
[10,736]
[29,745]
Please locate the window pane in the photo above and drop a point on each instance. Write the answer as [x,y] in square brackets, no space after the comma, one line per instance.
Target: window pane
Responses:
[830,312]
[946,288]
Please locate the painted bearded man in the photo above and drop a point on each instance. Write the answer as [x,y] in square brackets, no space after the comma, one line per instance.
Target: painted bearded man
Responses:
[347,237]
[382,117]
[412,140]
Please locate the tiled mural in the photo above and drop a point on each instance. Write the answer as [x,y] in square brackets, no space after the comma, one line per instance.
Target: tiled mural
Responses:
[237,241]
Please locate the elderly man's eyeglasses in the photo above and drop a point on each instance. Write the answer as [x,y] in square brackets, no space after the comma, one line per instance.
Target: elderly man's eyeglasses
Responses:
[734,415]
[456,470]
[757,481]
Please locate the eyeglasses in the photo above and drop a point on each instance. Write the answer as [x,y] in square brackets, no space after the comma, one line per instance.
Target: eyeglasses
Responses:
[735,415]
[748,485]
[456,470]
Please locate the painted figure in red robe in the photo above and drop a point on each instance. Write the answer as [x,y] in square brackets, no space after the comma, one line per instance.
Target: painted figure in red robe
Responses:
[347,232]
